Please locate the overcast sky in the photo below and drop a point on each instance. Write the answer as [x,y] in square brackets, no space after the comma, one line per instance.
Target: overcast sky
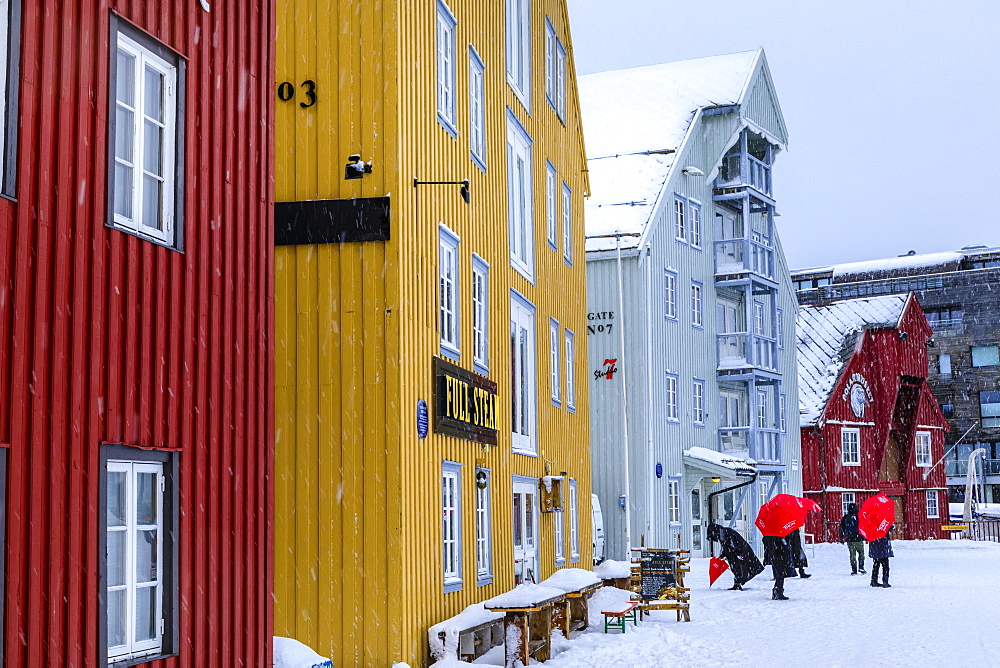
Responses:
[892,108]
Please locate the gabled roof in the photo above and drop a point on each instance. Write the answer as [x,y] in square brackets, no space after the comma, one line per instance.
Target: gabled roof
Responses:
[636,121]
[826,335]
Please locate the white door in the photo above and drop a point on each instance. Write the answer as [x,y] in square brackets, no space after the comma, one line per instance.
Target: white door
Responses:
[525,531]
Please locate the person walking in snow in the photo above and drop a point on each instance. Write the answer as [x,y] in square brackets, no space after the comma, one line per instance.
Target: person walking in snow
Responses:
[798,554]
[738,554]
[880,550]
[855,541]
[778,553]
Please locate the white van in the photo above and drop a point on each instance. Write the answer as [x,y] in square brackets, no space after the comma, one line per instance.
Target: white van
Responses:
[597,520]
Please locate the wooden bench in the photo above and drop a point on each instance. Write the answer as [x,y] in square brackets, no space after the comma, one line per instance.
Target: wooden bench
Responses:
[466,636]
[476,640]
[621,613]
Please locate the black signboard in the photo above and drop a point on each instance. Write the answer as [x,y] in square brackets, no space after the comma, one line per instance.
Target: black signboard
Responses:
[331,221]
[465,403]
[659,574]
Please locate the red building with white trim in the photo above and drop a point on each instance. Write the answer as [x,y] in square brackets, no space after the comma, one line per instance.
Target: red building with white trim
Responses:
[869,422]
[136,297]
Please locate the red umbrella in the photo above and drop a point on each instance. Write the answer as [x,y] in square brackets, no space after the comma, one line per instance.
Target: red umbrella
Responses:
[877,515]
[716,567]
[783,514]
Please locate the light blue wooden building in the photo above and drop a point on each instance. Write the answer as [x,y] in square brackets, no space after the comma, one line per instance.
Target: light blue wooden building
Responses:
[691,308]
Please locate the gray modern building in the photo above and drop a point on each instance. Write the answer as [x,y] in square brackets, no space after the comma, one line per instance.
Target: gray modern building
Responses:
[959,292]
[691,306]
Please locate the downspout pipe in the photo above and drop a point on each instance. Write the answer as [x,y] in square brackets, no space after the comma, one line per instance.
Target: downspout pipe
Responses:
[711,520]
[650,465]
[621,373]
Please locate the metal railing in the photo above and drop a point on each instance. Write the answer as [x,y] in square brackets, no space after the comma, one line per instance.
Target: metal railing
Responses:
[760,175]
[763,445]
[960,467]
[741,349]
[731,257]
[986,530]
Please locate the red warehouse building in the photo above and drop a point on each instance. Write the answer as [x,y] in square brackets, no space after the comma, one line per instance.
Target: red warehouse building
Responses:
[869,421]
[135,332]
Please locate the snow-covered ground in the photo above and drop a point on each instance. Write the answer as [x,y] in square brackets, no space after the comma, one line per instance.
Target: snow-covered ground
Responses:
[941,610]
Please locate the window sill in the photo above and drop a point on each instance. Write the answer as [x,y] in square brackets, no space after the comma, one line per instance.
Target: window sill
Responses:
[452,586]
[480,162]
[526,453]
[560,562]
[447,125]
[451,353]
[139,660]
[485,580]
[574,559]
[481,369]
[557,403]
[522,269]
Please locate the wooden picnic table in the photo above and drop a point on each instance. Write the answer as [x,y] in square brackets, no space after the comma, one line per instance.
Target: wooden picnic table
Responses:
[534,626]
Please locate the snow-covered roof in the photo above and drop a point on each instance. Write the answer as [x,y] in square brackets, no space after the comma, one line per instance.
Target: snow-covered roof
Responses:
[737,465]
[826,336]
[634,121]
[853,271]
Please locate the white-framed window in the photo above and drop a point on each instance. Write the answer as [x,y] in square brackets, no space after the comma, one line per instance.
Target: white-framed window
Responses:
[694,233]
[135,536]
[144,126]
[567,219]
[558,537]
[519,198]
[846,499]
[554,362]
[674,500]
[570,374]
[555,70]
[922,448]
[680,218]
[673,412]
[10,59]
[524,438]
[480,314]
[758,318]
[446,23]
[697,317]
[519,48]
[698,395]
[448,321]
[477,108]
[944,365]
[932,503]
[850,446]
[551,220]
[762,421]
[574,523]
[989,408]
[484,528]
[670,295]
[451,525]
[781,413]
[986,355]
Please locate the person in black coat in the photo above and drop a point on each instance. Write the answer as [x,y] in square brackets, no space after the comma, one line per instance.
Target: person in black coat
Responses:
[798,554]
[880,550]
[778,553]
[855,541]
[737,552]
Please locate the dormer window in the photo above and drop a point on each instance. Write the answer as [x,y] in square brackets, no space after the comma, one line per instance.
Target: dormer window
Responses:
[748,163]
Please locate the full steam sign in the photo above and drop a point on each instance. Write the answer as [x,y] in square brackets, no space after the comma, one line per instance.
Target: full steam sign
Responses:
[465,403]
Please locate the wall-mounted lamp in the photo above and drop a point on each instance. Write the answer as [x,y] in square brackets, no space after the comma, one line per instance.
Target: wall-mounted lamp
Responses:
[464,183]
[691,170]
[903,336]
[716,479]
[356,168]
[481,479]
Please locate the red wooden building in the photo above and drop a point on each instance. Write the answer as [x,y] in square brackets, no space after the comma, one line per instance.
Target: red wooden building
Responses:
[869,421]
[135,331]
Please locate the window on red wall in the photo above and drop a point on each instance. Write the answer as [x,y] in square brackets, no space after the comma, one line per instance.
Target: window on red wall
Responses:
[10,50]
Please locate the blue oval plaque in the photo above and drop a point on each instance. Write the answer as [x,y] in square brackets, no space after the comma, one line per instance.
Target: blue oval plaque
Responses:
[422,420]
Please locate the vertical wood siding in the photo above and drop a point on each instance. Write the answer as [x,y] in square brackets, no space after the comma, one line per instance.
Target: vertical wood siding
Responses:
[109,338]
[359,563]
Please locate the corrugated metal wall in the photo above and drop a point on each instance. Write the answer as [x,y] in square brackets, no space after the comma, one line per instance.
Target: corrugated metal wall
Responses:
[360,576]
[108,338]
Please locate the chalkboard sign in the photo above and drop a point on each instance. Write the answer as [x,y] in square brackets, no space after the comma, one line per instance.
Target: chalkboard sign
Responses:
[659,574]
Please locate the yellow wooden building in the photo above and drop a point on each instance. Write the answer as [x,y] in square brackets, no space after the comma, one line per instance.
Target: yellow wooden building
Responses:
[429,315]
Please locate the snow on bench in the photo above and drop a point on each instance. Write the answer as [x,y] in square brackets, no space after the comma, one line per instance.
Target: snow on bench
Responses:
[467,635]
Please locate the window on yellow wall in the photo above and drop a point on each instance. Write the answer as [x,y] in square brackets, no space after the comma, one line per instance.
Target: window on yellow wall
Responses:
[519,48]
[446,23]
[524,439]
[520,198]
[451,525]
[567,219]
[477,108]
[480,314]
[570,377]
[448,314]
